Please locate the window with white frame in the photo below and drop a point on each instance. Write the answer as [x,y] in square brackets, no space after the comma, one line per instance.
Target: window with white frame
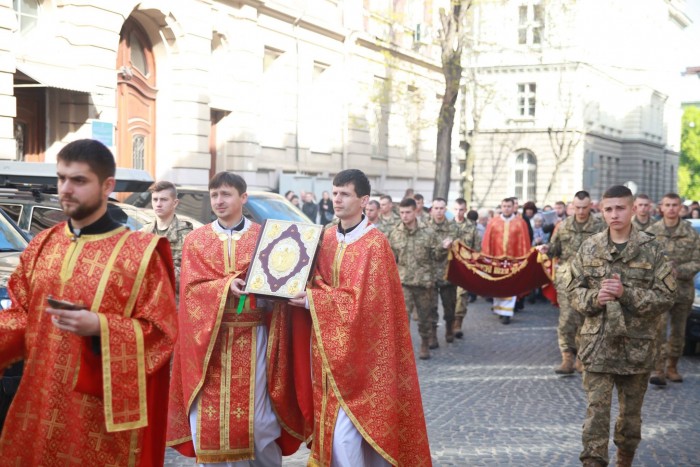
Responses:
[27,14]
[525,176]
[530,24]
[526,99]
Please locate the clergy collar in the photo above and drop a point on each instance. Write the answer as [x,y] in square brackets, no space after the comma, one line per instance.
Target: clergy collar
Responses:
[241,227]
[507,218]
[354,233]
[102,225]
[345,232]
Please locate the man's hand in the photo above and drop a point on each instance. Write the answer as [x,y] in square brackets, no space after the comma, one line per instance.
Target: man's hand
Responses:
[543,248]
[613,286]
[80,322]
[604,297]
[299,300]
[447,243]
[237,287]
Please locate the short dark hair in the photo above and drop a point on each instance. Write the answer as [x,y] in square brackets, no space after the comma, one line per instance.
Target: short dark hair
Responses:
[473,215]
[357,178]
[583,194]
[530,205]
[560,203]
[408,203]
[418,197]
[508,200]
[461,201]
[642,196]
[671,196]
[163,185]
[230,179]
[386,197]
[91,152]
[617,191]
[374,202]
[440,199]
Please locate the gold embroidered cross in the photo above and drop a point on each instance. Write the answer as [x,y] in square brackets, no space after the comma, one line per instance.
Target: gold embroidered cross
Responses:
[53,424]
[94,262]
[123,358]
[99,437]
[238,413]
[126,413]
[69,456]
[26,416]
[65,368]
[210,411]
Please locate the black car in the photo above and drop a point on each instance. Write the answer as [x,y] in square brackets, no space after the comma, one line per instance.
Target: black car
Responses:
[194,202]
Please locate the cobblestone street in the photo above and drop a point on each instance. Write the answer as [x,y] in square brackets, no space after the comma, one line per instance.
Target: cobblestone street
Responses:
[492,399]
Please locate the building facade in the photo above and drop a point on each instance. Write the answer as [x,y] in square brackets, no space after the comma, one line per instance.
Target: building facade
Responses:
[186,88]
[570,95]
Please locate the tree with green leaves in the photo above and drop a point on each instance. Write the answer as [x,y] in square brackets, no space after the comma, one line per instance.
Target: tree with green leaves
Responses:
[452,40]
[689,169]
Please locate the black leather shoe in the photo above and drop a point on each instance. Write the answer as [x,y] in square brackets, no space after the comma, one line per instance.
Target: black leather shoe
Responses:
[506,320]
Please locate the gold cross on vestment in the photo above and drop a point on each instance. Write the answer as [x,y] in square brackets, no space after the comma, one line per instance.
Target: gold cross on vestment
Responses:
[69,456]
[26,416]
[99,438]
[238,413]
[242,341]
[369,397]
[65,368]
[210,411]
[94,262]
[239,377]
[55,254]
[402,406]
[123,358]
[53,424]
[126,413]
[86,404]
[124,271]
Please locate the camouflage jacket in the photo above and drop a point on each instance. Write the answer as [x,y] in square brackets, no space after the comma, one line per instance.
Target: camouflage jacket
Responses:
[640,226]
[416,252]
[618,338]
[469,234]
[446,229]
[567,240]
[176,233]
[385,226]
[682,247]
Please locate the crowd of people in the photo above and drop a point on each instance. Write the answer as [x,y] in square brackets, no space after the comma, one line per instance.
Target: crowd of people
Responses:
[97,312]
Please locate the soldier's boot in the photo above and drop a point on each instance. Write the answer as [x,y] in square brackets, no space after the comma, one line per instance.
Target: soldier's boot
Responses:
[567,364]
[432,340]
[624,458]
[449,331]
[457,327]
[592,463]
[424,353]
[658,376]
[578,365]
[672,370]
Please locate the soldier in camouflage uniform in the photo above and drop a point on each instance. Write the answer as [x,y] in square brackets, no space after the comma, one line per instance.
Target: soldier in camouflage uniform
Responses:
[422,214]
[164,201]
[416,249]
[448,231]
[388,219]
[621,282]
[682,246]
[564,244]
[469,235]
[642,212]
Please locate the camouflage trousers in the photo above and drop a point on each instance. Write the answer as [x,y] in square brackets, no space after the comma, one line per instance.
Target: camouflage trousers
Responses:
[570,322]
[672,346]
[462,301]
[422,299]
[448,295]
[596,426]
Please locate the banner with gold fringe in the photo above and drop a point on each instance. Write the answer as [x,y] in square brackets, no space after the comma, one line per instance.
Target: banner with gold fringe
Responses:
[502,276]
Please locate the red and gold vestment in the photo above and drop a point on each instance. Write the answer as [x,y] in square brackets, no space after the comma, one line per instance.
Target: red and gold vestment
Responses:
[362,356]
[506,238]
[215,357]
[77,405]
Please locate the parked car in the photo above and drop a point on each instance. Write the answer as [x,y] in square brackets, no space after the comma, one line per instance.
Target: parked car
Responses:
[194,202]
[692,328]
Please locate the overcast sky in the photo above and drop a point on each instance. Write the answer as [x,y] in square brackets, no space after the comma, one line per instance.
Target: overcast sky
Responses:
[690,51]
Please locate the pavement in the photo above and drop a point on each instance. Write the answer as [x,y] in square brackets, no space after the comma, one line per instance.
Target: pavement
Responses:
[493,399]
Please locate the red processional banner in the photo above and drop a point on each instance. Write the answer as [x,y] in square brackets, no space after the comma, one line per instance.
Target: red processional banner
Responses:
[498,276]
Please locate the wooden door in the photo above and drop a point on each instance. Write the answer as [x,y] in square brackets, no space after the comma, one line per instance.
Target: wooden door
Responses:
[136,100]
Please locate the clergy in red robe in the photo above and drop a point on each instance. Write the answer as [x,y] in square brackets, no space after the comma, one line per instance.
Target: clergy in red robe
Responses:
[367,402]
[96,376]
[506,236]
[220,407]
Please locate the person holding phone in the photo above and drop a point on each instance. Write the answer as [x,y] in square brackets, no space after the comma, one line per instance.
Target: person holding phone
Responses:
[93,317]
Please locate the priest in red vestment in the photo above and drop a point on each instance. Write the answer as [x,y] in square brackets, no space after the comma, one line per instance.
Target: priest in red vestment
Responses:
[367,403]
[95,383]
[220,408]
[506,236]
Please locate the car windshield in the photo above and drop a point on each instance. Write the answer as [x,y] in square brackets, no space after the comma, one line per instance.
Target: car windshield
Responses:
[10,238]
[264,207]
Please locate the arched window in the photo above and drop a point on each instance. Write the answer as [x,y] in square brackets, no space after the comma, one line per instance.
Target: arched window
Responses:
[525,176]
[27,14]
